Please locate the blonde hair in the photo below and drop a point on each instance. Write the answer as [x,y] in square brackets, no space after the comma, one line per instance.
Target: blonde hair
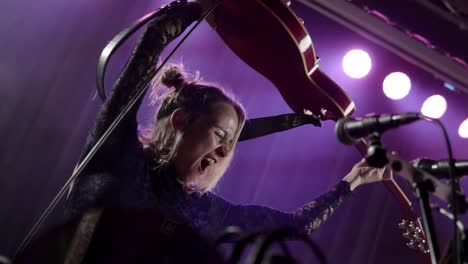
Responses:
[196,98]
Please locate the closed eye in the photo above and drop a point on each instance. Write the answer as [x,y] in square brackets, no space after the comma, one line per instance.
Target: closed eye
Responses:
[220,134]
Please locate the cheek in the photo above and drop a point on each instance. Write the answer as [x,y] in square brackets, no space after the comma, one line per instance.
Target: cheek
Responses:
[205,145]
[199,143]
[205,139]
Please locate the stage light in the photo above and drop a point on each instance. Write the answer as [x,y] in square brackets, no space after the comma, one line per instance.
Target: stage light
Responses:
[357,63]
[396,85]
[463,129]
[434,106]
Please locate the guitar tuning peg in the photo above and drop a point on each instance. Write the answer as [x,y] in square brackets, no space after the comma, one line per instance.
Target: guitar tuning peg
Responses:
[411,244]
[402,224]
[422,248]
[407,235]
[411,226]
[286,2]
[417,238]
[417,230]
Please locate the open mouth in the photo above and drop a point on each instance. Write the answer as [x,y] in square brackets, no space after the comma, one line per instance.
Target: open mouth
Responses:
[205,163]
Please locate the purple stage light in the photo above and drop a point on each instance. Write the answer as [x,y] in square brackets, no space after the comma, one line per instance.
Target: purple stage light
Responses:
[357,63]
[434,106]
[396,85]
[463,129]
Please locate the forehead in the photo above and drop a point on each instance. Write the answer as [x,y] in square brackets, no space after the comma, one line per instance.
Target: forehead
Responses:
[224,115]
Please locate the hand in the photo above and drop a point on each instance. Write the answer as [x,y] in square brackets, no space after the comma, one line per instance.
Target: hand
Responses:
[174,18]
[206,5]
[361,173]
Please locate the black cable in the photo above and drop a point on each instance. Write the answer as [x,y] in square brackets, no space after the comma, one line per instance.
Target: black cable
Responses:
[455,186]
[112,47]
[4,260]
[285,249]
[259,253]
[261,250]
[241,245]
[230,234]
[463,235]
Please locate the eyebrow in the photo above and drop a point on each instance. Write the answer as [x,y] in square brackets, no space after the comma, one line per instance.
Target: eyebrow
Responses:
[216,124]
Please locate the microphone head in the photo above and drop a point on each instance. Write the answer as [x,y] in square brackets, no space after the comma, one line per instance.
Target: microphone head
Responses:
[340,131]
[440,168]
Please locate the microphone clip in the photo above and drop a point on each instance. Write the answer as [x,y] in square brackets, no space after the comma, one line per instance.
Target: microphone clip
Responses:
[376,153]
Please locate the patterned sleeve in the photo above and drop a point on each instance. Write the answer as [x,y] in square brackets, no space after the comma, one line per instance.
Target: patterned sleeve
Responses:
[142,63]
[97,178]
[307,218]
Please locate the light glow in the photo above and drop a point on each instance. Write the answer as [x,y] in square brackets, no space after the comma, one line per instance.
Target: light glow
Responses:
[396,85]
[463,129]
[434,106]
[357,63]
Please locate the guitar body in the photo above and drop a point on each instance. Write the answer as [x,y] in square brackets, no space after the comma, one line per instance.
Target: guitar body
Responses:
[270,38]
[284,43]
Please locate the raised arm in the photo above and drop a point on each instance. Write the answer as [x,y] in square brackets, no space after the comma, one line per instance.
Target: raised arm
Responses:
[307,218]
[90,188]
[161,31]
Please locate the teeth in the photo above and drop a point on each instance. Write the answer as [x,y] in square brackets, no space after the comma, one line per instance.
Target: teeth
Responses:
[211,161]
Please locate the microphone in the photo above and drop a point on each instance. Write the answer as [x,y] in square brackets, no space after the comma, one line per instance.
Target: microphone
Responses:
[349,130]
[440,168]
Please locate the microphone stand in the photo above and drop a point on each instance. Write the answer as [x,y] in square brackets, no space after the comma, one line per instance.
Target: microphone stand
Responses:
[448,255]
[421,188]
[377,156]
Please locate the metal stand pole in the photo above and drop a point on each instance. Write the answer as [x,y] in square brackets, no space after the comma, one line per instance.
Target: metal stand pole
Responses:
[421,190]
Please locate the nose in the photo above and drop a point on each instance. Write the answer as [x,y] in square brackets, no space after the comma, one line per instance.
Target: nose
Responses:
[222,151]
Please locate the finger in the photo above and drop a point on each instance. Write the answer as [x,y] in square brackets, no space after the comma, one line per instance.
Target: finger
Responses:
[364,162]
[365,171]
[361,163]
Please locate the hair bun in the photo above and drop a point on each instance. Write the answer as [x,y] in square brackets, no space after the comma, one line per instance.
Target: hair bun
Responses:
[173,77]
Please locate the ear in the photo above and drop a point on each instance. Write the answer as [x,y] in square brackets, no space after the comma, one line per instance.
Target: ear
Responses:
[177,119]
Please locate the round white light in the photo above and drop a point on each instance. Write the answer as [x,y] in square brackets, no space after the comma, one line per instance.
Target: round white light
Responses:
[357,63]
[396,85]
[434,106]
[463,129]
